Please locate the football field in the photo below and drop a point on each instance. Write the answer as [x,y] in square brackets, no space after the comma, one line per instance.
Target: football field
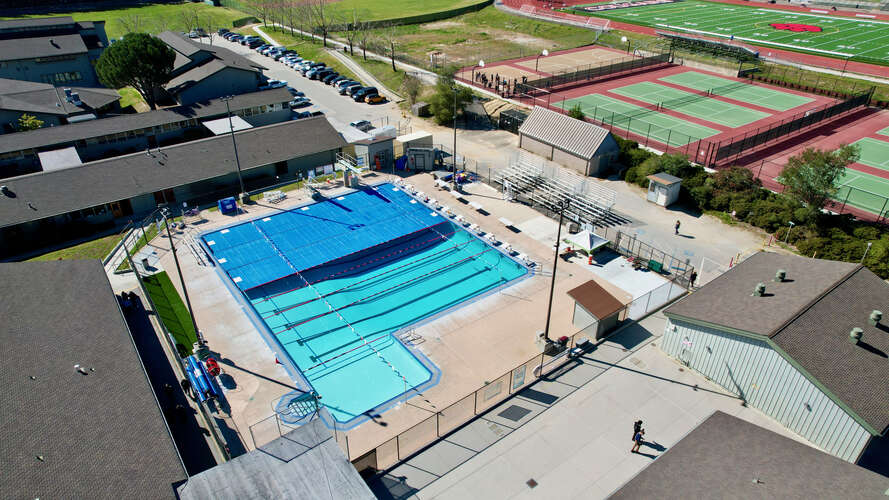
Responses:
[833,36]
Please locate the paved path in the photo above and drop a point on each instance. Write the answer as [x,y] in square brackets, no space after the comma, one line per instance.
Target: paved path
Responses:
[568,433]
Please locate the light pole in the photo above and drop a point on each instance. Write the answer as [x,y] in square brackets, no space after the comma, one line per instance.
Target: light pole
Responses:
[164,214]
[231,129]
[626,40]
[865,252]
[563,205]
[537,61]
[455,138]
[481,64]
[787,238]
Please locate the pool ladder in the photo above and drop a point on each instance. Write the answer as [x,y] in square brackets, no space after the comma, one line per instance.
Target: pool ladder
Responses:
[411,337]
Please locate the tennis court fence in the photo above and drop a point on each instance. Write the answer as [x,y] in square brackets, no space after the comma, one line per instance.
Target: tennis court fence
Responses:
[583,75]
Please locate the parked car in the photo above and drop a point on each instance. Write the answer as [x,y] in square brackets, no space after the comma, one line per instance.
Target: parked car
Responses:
[249,39]
[327,75]
[294,92]
[331,77]
[311,67]
[351,89]
[336,80]
[273,84]
[300,102]
[362,125]
[298,115]
[374,99]
[360,94]
[344,83]
[314,73]
[222,31]
[318,113]
[254,44]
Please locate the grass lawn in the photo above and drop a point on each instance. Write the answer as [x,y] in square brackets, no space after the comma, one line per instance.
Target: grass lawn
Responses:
[130,97]
[95,249]
[154,18]
[375,9]
[150,232]
[171,309]
[488,34]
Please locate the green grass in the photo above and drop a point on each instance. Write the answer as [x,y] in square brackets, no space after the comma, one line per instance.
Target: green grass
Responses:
[170,309]
[663,128]
[371,10]
[691,104]
[739,91]
[143,240]
[840,37]
[95,249]
[154,18]
[130,97]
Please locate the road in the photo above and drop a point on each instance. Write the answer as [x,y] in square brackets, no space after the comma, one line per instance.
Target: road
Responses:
[340,110]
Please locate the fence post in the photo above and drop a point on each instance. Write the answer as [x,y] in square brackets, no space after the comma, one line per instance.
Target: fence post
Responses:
[847,199]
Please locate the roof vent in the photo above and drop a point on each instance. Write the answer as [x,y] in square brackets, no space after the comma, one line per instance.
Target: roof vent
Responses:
[75,99]
[855,335]
[67,92]
[4,189]
[780,275]
[760,290]
[873,319]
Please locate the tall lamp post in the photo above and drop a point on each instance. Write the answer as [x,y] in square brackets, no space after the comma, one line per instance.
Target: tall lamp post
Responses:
[481,64]
[626,41]
[165,214]
[787,238]
[865,252]
[537,61]
[231,129]
[454,175]
[562,205]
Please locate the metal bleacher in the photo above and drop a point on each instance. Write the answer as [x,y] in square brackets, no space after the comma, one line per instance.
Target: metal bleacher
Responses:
[547,186]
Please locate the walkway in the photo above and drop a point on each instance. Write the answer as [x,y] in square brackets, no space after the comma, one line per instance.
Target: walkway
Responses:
[566,436]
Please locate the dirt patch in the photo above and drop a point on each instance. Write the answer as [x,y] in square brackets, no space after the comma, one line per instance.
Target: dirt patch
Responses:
[442,25]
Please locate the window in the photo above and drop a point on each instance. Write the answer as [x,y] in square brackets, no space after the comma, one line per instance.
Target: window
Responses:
[281,168]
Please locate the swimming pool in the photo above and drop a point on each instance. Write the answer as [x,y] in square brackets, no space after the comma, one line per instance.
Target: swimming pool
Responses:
[332,294]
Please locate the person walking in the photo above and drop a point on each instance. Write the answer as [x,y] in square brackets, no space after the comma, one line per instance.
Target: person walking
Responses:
[637,426]
[676,227]
[637,441]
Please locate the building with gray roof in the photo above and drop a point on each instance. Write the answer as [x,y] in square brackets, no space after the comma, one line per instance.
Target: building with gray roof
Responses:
[52,105]
[54,50]
[801,339]
[202,71]
[51,207]
[80,419]
[728,458]
[112,136]
[576,144]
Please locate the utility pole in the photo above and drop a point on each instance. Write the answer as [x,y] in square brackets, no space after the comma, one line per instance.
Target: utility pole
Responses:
[231,129]
[563,205]
[181,279]
[455,138]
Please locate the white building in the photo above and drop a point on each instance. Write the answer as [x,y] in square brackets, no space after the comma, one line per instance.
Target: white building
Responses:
[775,330]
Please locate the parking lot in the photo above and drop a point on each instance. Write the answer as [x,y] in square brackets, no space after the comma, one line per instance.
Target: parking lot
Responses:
[339,109]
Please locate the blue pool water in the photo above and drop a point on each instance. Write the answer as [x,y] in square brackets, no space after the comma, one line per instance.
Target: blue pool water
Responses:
[402,264]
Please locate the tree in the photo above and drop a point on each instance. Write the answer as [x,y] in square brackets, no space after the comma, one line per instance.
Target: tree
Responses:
[441,104]
[140,61]
[28,122]
[411,85]
[811,177]
[353,27]
[131,23]
[321,20]
[365,38]
[576,112]
[389,34]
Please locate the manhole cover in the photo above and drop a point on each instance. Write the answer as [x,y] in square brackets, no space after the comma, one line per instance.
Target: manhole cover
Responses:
[514,413]
[531,483]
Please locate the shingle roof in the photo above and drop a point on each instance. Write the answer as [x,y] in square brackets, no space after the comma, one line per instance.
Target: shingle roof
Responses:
[728,300]
[178,43]
[66,133]
[36,22]
[596,299]
[45,98]
[65,190]
[304,464]
[97,435]
[724,456]
[809,317]
[196,75]
[574,136]
[664,178]
[41,46]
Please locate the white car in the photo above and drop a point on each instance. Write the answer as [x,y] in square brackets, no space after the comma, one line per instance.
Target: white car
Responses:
[273,84]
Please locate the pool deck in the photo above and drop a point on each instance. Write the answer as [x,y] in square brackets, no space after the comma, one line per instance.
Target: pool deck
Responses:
[474,344]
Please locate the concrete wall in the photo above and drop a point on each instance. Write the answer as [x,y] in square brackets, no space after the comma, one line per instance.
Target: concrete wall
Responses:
[579,165]
[535,146]
[753,370]
[585,323]
[229,81]
[33,71]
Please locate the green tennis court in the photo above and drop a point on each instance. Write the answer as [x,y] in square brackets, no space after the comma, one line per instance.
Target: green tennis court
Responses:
[885,131]
[740,91]
[662,128]
[865,191]
[723,113]
[874,153]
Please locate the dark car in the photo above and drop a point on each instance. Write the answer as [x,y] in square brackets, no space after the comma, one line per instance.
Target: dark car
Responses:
[311,67]
[362,93]
[254,43]
[352,89]
[222,31]
[329,78]
[336,80]
[322,73]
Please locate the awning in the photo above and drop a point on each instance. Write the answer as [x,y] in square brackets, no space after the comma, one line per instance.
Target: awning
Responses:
[586,240]
[221,126]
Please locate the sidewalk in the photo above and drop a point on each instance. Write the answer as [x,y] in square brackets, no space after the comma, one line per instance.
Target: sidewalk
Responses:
[568,433]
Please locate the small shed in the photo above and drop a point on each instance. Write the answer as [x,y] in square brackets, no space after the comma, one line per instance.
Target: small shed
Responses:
[576,144]
[375,153]
[663,189]
[419,139]
[596,311]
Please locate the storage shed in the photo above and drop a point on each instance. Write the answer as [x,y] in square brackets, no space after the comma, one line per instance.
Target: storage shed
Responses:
[596,311]
[576,144]
[663,189]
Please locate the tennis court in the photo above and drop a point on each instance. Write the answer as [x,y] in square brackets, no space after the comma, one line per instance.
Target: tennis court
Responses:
[874,153]
[885,131]
[692,104]
[646,122]
[868,192]
[739,91]
[832,36]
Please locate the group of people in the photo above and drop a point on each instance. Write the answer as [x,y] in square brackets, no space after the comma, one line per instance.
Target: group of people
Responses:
[502,85]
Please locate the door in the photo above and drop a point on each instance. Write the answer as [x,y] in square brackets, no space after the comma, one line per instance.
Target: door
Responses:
[662,195]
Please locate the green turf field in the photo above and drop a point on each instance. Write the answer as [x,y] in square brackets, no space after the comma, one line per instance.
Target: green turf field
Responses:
[712,110]
[870,192]
[739,91]
[170,308]
[885,131]
[663,128]
[874,153]
[839,37]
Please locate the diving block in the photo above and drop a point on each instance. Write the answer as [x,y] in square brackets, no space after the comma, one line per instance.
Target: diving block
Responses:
[506,222]
[476,205]
[456,194]
[491,238]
